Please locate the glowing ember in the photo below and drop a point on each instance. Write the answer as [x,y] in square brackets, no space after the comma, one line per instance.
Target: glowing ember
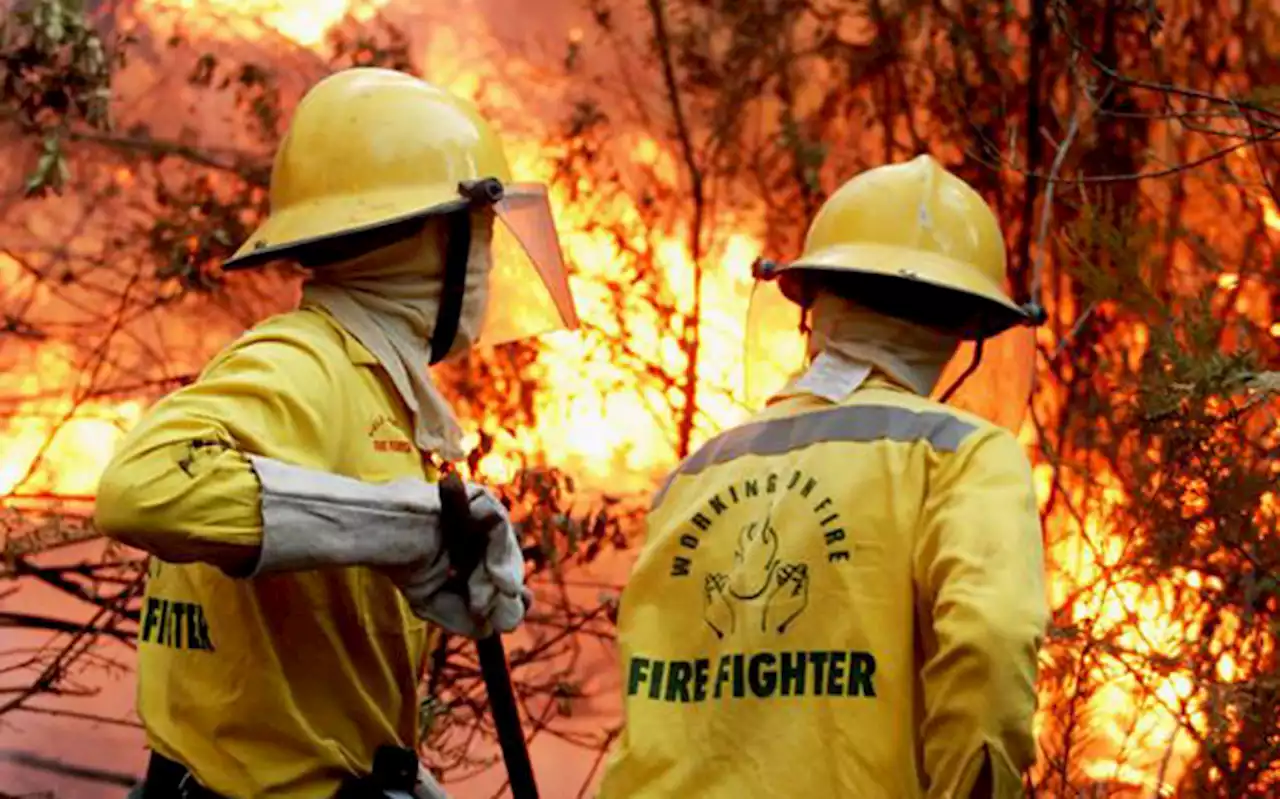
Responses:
[1269,213]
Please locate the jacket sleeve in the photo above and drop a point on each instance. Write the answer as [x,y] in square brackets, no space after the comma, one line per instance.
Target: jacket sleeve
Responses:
[179,485]
[979,574]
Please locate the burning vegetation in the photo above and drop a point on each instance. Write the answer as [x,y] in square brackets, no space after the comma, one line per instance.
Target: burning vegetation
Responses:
[1130,148]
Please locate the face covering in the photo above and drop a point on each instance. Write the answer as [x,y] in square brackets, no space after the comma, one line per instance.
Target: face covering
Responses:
[388,300]
[909,353]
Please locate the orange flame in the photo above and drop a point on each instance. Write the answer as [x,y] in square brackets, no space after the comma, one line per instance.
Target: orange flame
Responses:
[50,443]
[304,23]
[1270,215]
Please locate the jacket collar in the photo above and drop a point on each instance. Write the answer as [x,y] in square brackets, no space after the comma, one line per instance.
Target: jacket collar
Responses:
[357,352]
[878,379]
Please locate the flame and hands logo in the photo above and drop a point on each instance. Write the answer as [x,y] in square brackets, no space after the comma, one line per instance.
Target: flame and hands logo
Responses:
[380,421]
[758,579]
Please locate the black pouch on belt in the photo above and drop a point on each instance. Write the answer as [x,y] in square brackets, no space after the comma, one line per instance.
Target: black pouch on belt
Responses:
[395,770]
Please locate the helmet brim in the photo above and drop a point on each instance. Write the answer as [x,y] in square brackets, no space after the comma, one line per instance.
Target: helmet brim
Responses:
[306,226]
[921,285]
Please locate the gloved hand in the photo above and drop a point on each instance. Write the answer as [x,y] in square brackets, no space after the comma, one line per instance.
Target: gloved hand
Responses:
[496,595]
[313,519]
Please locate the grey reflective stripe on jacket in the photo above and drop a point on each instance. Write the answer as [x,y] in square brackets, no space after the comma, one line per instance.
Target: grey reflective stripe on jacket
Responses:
[841,424]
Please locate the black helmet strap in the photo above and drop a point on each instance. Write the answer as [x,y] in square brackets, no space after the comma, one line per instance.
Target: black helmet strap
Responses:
[479,193]
[457,254]
[973,367]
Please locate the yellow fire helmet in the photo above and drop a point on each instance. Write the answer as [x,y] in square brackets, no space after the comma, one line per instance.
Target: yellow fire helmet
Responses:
[369,155]
[912,240]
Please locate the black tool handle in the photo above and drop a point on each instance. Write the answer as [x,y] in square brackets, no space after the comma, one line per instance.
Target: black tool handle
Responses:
[464,543]
[466,547]
[506,717]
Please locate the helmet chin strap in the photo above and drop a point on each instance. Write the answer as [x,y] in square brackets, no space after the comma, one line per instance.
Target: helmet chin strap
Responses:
[973,367]
[454,287]
[476,194]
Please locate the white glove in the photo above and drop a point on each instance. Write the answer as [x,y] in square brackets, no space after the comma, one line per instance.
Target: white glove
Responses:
[496,595]
[428,787]
[313,519]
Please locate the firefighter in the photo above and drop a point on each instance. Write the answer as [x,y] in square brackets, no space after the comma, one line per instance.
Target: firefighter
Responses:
[844,596]
[288,496]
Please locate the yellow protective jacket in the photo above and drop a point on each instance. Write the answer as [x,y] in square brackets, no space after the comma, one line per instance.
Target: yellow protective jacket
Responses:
[277,686]
[835,600]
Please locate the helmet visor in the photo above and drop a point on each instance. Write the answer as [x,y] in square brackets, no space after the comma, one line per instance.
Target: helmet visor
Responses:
[527,286]
[997,389]
[774,344]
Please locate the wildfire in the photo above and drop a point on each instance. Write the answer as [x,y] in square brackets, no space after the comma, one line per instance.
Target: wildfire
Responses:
[1133,743]
[52,444]
[304,23]
[596,420]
